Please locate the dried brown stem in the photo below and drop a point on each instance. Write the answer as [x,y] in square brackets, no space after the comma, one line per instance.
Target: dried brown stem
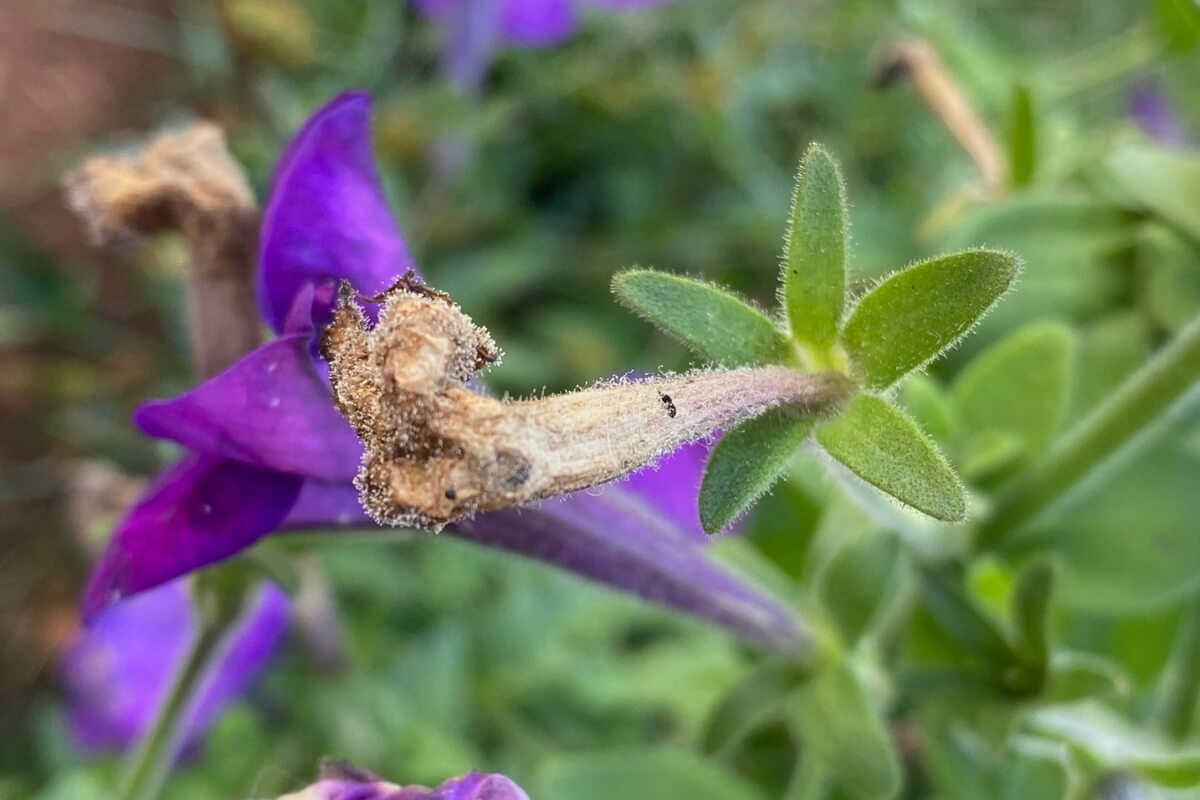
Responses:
[437,451]
[186,181]
[919,62]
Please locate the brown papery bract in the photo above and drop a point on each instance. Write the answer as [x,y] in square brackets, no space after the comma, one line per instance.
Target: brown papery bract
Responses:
[438,451]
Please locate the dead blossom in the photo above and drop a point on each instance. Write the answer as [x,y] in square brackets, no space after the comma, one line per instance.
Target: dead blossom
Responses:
[437,450]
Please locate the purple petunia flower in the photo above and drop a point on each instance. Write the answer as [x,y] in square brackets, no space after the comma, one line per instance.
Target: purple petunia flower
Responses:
[475,29]
[268,452]
[342,783]
[119,670]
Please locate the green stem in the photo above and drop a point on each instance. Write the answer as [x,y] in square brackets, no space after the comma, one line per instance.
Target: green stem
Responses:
[1175,701]
[1142,399]
[1107,61]
[146,770]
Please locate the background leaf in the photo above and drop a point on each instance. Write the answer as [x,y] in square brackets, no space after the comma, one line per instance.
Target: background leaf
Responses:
[1163,182]
[1019,387]
[709,320]
[859,581]
[814,277]
[746,462]
[840,727]
[922,310]
[641,774]
[883,446]
[1022,136]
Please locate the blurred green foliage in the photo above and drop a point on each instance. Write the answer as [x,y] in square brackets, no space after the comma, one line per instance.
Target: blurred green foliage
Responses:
[669,139]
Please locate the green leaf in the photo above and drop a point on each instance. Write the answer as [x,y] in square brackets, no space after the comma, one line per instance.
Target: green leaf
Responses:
[1178,23]
[925,402]
[859,582]
[1171,268]
[947,600]
[814,276]
[746,462]
[883,446]
[712,322]
[1163,182]
[916,314]
[1081,676]
[1019,388]
[840,727]
[1022,137]
[1111,742]
[989,455]
[1031,611]
[641,774]
[1129,544]
[751,703]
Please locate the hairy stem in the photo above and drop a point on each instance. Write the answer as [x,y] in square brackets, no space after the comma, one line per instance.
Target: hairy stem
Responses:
[1144,398]
[1175,701]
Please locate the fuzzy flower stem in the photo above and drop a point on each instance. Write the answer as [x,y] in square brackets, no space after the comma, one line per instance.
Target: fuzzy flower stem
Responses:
[437,451]
[146,771]
[1146,397]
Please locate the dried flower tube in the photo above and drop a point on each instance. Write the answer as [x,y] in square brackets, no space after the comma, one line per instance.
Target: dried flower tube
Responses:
[438,451]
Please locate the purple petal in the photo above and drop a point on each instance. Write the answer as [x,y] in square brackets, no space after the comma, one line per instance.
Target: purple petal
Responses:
[617,539]
[327,506]
[626,5]
[1155,115]
[479,786]
[201,510]
[536,23]
[361,785]
[120,669]
[328,217]
[269,410]
[672,487]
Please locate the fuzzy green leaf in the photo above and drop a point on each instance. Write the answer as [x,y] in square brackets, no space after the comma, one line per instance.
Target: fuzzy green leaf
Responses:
[917,313]
[840,727]
[882,445]
[714,323]
[1018,388]
[746,462]
[814,278]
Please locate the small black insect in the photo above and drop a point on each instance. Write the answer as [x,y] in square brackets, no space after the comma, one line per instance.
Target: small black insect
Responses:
[670,404]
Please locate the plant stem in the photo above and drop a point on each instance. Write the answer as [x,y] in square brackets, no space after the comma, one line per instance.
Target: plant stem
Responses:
[1175,702]
[146,770]
[1144,398]
[1107,61]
